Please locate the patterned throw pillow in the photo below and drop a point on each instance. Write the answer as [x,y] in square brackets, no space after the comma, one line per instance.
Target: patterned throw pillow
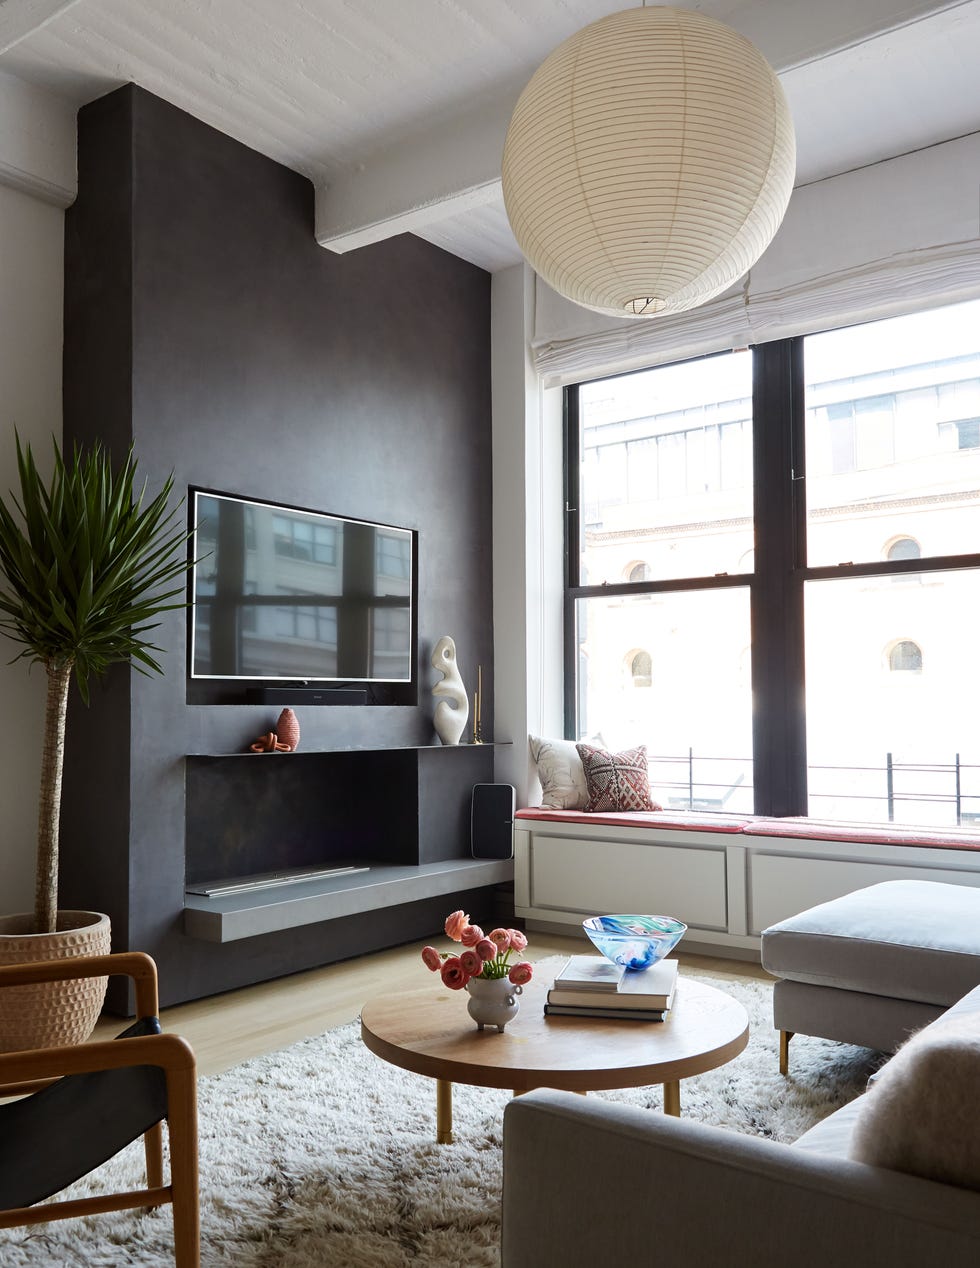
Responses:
[617,781]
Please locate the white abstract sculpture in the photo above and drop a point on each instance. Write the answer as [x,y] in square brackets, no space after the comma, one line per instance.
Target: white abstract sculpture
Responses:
[449,717]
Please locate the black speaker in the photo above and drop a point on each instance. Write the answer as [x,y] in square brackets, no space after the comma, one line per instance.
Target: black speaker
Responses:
[492,821]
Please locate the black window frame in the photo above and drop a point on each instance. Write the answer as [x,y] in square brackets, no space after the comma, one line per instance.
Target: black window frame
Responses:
[776,584]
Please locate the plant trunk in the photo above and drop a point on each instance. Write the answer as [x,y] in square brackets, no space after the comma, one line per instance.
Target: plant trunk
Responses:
[49,808]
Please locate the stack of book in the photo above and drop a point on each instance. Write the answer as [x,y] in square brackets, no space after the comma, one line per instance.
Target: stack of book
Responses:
[591,986]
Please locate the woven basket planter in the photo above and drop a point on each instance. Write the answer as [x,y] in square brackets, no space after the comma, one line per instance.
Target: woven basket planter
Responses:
[51,1013]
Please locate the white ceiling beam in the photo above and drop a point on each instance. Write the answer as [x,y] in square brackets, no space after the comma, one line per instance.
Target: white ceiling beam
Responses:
[37,142]
[21,18]
[793,32]
[451,167]
[455,165]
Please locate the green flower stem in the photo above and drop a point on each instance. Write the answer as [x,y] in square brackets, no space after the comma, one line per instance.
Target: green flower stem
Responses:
[493,969]
[497,967]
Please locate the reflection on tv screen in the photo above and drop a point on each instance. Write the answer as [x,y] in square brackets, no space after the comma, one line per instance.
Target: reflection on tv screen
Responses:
[290,594]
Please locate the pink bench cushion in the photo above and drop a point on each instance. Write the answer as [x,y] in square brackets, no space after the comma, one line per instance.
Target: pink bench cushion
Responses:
[688,822]
[865,833]
[798,828]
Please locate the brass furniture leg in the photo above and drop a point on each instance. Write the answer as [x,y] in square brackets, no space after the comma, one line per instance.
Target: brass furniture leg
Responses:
[444,1112]
[672,1099]
[784,1037]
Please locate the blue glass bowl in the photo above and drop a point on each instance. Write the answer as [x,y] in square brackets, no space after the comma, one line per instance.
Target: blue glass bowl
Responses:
[635,941]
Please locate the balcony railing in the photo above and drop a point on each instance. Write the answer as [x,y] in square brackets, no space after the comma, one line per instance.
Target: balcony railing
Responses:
[946,792]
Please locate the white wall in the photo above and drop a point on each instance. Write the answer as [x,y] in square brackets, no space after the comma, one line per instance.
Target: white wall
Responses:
[527,590]
[31,288]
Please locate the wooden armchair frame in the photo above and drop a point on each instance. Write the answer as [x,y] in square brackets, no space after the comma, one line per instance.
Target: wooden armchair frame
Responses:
[29,1071]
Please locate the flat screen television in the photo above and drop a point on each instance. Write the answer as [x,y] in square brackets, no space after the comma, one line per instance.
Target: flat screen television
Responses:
[281,594]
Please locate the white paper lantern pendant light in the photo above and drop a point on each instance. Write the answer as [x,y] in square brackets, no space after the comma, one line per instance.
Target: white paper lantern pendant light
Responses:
[648,162]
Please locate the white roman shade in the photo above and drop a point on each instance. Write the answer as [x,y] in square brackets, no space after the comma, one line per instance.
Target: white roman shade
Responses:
[895,237]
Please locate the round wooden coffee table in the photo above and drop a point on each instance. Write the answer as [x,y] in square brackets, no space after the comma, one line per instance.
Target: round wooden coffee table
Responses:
[429,1032]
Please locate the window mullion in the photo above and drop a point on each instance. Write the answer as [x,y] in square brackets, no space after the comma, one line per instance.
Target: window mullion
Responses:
[571,493]
[779,718]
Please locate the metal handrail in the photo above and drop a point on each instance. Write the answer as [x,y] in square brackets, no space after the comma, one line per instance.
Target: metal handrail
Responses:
[957,768]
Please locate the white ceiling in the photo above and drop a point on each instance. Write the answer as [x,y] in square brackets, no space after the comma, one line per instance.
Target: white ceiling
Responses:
[396,109]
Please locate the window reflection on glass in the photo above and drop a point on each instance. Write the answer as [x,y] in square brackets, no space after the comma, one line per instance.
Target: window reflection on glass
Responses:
[891,680]
[313,624]
[905,657]
[304,539]
[892,441]
[394,555]
[641,669]
[904,548]
[697,720]
[661,452]
[391,638]
[968,433]
[392,629]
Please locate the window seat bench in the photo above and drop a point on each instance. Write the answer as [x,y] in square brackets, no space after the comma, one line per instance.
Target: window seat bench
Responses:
[727,876]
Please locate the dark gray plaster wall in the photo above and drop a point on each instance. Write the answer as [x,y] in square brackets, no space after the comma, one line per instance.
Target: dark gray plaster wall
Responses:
[205,325]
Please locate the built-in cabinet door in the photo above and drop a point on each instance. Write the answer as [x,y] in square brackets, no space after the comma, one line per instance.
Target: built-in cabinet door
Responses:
[621,877]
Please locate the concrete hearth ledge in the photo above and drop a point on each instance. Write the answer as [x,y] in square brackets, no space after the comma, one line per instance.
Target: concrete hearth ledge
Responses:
[235,916]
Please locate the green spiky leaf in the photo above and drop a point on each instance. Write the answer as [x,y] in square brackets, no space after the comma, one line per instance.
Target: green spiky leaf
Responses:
[85,560]
[87,564]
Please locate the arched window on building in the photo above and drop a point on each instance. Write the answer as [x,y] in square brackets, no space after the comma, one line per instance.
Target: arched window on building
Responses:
[639,572]
[904,548]
[641,669]
[905,657]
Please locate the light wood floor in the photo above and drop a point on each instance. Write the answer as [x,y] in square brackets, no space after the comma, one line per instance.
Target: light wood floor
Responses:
[227,1029]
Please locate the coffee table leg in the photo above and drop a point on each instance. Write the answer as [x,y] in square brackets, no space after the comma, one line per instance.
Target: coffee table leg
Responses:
[672,1099]
[444,1112]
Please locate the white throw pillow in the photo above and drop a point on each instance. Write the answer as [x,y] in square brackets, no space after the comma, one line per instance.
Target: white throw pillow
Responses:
[560,771]
[922,1113]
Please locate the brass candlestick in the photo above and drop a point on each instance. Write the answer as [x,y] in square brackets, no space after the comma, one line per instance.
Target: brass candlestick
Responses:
[477,701]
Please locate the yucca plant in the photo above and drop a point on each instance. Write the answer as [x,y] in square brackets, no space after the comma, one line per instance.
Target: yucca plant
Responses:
[85,568]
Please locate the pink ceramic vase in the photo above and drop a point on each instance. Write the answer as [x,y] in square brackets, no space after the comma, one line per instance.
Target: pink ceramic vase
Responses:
[287,729]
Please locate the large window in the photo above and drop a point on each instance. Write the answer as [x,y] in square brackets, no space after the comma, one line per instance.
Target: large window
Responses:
[775,498]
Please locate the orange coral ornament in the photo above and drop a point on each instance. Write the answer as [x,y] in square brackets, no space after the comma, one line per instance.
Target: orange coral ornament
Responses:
[270,743]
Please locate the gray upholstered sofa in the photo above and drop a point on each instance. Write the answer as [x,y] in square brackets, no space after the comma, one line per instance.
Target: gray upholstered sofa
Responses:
[587,1181]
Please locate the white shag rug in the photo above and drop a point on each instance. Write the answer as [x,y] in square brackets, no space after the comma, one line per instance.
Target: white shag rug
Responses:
[323,1154]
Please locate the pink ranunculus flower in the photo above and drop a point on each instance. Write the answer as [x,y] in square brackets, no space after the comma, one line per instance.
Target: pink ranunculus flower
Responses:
[520,973]
[485,956]
[453,974]
[455,924]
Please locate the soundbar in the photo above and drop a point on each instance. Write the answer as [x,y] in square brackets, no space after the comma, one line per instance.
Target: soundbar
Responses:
[306,695]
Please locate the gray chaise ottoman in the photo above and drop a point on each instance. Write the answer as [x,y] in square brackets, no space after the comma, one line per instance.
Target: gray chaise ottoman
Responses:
[874,966]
